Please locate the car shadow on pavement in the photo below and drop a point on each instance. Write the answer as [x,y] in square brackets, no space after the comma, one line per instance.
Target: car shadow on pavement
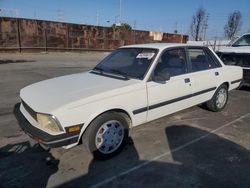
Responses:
[194,158]
[8,61]
[198,159]
[24,166]
[245,88]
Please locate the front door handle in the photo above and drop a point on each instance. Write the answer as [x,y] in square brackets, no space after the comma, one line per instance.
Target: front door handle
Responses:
[187,80]
[216,73]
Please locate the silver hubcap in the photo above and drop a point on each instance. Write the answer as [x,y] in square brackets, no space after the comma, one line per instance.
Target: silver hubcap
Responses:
[221,98]
[109,136]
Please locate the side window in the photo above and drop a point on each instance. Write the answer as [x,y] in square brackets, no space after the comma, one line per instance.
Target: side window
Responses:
[172,62]
[201,60]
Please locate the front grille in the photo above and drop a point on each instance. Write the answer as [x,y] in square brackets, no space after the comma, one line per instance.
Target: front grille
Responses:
[29,110]
[246,75]
[242,60]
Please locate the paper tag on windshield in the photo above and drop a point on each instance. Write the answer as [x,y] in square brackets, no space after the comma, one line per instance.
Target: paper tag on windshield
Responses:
[145,55]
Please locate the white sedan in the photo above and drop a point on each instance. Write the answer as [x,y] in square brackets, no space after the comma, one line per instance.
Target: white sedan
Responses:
[238,54]
[133,85]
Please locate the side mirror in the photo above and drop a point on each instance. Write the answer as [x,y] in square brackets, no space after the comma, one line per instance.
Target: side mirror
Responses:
[161,77]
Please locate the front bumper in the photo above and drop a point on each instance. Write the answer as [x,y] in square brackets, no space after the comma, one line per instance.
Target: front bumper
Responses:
[41,136]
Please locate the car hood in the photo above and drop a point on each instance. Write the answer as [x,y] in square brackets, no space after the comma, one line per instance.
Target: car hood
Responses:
[49,95]
[239,49]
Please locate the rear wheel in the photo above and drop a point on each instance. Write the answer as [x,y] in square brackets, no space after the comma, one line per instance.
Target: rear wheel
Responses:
[107,134]
[219,100]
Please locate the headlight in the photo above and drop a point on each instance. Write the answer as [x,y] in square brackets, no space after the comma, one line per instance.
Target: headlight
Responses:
[48,123]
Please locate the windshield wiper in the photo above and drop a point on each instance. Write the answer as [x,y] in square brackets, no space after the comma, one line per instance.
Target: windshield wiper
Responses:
[110,72]
[98,69]
[119,73]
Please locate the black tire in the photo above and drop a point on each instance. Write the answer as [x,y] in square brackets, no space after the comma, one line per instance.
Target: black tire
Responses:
[90,136]
[213,104]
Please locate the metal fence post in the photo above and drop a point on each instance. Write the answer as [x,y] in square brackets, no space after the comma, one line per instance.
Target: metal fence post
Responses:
[67,36]
[18,36]
[45,36]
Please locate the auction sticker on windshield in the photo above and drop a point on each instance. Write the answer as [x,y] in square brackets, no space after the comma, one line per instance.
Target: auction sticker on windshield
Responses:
[145,55]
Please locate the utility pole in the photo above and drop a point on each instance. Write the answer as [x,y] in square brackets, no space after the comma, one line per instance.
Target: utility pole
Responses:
[97,18]
[117,20]
[60,15]
[181,30]
[205,26]
[175,27]
[134,25]
[120,16]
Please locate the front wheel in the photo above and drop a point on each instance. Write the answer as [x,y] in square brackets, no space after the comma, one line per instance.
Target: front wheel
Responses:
[219,100]
[107,134]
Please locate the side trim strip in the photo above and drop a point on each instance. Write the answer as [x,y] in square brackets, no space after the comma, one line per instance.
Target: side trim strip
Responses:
[236,81]
[140,110]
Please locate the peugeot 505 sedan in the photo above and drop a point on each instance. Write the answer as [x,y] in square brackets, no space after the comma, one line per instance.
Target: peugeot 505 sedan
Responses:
[133,85]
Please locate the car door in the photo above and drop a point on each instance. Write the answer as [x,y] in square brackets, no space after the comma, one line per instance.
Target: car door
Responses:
[165,97]
[206,73]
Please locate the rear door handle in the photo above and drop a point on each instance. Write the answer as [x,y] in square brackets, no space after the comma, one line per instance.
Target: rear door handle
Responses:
[187,80]
[216,73]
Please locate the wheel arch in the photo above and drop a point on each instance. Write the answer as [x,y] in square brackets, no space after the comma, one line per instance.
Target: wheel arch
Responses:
[222,83]
[225,83]
[211,104]
[93,117]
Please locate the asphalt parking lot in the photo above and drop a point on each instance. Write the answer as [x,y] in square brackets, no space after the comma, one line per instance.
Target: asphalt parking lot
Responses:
[191,148]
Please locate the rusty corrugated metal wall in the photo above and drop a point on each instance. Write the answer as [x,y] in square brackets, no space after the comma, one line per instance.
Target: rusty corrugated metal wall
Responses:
[30,35]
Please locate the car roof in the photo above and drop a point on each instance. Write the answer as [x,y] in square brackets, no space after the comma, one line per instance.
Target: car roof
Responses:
[159,46]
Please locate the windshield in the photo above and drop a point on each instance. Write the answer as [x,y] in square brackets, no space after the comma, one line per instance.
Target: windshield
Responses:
[128,62]
[242,41]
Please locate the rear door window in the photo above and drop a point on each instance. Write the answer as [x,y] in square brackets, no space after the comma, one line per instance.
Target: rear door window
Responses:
[201,60]
[173,62]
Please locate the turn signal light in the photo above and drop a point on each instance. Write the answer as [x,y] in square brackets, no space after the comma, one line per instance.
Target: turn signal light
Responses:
[74,128]
[39,140]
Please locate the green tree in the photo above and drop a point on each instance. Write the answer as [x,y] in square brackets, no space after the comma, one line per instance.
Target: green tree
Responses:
[122,26]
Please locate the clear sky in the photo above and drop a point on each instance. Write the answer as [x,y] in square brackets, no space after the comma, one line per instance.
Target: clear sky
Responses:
[154,15]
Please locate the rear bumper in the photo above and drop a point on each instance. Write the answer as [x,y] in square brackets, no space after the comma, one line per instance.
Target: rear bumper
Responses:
[41,136]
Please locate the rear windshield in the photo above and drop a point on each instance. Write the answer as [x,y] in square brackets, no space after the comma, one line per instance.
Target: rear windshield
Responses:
[242,41]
